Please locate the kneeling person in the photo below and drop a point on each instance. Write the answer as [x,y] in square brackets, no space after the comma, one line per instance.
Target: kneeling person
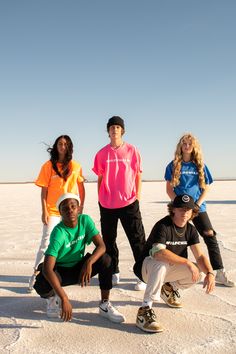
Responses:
[65,263]
[165,266]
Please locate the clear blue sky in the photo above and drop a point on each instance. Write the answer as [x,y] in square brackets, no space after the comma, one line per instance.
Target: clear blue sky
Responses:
[166,67]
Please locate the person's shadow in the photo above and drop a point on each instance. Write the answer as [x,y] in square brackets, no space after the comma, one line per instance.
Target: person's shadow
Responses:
[33,308]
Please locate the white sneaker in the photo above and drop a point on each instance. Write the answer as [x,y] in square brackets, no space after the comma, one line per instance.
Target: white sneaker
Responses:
[140,285]
[115,279]
[222,278]
[54,307]
[110,312]
[31,283]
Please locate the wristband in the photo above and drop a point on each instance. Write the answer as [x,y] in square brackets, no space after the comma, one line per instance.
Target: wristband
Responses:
[210,273]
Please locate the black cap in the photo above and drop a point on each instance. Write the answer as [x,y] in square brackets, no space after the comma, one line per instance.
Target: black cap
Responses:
[116,120]
[183,201]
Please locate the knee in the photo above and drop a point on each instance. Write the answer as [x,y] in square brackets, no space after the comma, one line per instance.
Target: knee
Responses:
[160,268]
[208,233]
[106,260]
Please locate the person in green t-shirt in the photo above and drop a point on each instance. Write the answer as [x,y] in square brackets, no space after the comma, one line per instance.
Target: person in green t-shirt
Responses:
[65,262]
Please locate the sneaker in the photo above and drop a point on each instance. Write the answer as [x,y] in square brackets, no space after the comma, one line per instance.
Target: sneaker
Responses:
[170,296]
[107,310]
[222,278]
[54,307]
[140,285]
[31,283]
[147,321]
[115,278]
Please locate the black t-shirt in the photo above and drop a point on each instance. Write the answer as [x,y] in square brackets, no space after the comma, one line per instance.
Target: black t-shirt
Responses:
[164,232]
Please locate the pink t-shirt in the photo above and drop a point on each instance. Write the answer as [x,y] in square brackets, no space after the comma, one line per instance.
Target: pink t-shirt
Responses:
[119,168]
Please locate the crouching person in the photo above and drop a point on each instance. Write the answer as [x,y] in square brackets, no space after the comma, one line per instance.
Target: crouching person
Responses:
[165,266]
[65,262]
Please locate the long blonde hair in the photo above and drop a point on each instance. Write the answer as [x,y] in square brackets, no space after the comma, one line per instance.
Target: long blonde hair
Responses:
[196,158]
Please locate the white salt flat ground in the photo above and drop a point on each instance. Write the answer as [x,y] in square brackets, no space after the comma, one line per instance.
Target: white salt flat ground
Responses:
[206,324]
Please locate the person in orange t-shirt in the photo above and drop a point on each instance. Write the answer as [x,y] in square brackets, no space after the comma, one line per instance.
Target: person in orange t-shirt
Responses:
[57,176]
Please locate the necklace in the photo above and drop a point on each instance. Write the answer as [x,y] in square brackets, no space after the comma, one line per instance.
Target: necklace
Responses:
[180,234]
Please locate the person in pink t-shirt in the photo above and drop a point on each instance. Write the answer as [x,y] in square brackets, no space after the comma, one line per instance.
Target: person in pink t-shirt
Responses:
[118,167]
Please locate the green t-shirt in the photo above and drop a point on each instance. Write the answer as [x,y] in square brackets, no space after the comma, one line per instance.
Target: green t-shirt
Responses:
[67,244]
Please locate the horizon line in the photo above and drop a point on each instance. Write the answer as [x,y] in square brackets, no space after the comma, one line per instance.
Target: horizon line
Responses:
[143,180]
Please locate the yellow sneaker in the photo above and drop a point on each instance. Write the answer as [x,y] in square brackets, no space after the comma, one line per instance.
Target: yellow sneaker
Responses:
[147,320]
[170,296]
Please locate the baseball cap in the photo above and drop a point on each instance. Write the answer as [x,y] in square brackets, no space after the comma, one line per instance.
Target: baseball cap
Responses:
[66,196]
[183,201]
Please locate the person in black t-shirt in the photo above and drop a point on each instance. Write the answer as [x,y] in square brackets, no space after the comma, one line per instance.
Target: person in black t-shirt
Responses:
[164,265]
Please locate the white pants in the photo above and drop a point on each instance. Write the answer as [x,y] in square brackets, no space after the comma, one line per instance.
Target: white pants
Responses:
[156,273]
[47,229]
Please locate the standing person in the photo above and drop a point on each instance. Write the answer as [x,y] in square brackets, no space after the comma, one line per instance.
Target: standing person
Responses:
[165,266]
[65,262]
[57,176]
[188,174]
[118,167]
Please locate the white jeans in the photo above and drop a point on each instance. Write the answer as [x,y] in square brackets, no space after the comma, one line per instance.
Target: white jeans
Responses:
[47,229]
[155,274]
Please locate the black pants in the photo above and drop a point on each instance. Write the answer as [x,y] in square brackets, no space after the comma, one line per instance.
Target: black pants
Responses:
[131,220]
[70,275]
[203,225]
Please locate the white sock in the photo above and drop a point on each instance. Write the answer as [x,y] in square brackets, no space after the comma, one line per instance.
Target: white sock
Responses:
[147,303]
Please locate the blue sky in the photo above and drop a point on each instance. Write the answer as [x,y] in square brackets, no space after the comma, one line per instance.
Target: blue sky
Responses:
[166,67]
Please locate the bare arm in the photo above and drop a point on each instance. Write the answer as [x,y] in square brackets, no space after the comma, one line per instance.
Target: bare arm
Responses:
[205,266]
[81,195]
[44,194]
[170,190]
[203,195]
[50,275]
[138,182]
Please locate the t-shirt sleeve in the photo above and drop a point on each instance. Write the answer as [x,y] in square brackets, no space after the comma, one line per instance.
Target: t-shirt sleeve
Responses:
[158,234]
[97,167]
[168,172]
[80,177]
[139,161]
[194,238]
[90,229]
[55,243]
[44,176]
[208,176]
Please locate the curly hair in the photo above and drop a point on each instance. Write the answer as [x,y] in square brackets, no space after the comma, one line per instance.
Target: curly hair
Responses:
[196,158]
[54,157]
[170,209]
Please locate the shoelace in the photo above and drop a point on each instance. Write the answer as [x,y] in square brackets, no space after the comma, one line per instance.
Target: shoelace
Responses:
[111,308]
[150,315]
[175,294]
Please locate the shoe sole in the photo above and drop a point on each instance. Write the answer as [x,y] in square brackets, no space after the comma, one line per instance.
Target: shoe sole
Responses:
[172,306]
[139,289]
[30,291]
[228,285]
[103,314]
[53,315]
[149,330]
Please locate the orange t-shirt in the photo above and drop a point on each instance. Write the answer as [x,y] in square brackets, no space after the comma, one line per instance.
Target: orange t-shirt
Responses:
[56,185]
